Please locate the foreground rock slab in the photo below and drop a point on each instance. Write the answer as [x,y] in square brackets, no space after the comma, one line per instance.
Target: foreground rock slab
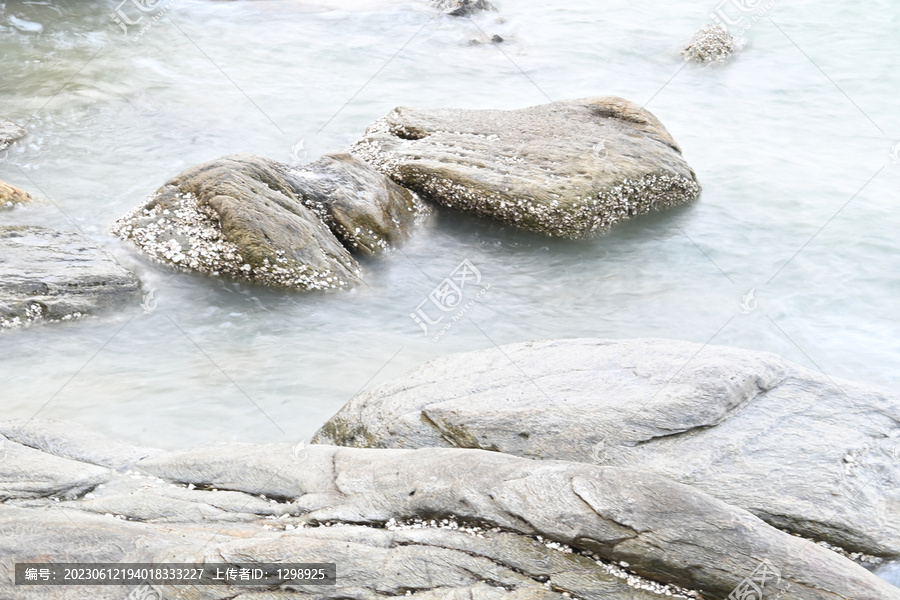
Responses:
[432,523]
[252,218]
[568,169]
[806,453]
[53,275]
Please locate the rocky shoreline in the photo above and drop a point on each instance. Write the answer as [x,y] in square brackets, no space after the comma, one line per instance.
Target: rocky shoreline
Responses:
[443,518]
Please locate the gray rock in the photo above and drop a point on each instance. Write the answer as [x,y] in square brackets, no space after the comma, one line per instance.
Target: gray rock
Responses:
[11,196]
[802,452]
[463,8]
[712,44]
[251,218]
[435,523]
[568,169]
[74,441]
[9,132]
[29,473]
[57,276]
[365,210]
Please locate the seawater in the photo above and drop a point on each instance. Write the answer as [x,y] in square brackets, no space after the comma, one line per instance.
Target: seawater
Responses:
[791,142]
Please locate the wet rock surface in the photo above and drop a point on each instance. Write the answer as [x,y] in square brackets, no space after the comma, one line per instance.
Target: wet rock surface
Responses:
[804,452]
[568,169]
[50,275]
[9,132]
[431,523]
[252,218]
[463,8]
[712,44]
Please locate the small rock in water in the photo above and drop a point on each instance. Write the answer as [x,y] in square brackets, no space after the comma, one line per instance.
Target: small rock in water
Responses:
[462,8]
[712,44]
[496,39]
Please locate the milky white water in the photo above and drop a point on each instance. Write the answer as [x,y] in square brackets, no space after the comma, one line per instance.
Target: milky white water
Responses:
[780,150]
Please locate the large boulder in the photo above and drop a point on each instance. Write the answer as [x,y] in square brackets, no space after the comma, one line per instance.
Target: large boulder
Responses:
[568,169]
[252,218]
[805,453]
[432,523]
[50,275]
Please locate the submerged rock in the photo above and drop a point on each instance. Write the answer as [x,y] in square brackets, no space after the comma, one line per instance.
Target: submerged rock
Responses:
[11,196]
[57,276]
[712,44]
[462,8]
[568,169]
[790,445]
[252,218]
[431,524]
[9,132]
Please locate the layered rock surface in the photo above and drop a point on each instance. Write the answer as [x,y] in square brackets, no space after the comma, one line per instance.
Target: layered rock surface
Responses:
[568,169]
[804,452]
[53,275]
[431,523]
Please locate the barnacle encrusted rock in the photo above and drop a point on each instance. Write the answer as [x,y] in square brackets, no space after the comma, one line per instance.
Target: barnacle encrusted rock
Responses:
[49,275]
[10,196]
[568,169]
[430,524]
[712,44]
[9,132]
[803,452]
[252,218]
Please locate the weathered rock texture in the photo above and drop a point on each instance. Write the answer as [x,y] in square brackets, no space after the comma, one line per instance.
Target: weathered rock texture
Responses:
[248,217]
[55,275]
[712,44]
[804,452]
[462,8]
[432,523]
[10,196]
[568,169]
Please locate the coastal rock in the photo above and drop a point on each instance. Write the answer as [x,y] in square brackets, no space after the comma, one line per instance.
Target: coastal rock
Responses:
[431,523]
[252,218]
[462,8]
[11,196]
[9,132]
[365,210]
[712,44]
[57,276]
[802,451]
[568,169]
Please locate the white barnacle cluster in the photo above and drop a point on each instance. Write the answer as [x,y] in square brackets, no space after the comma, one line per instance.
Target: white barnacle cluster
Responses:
[712,44]
[189,235]
[33,314]
[636,197]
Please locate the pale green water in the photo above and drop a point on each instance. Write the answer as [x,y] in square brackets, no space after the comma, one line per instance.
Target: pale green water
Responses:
[778,148]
